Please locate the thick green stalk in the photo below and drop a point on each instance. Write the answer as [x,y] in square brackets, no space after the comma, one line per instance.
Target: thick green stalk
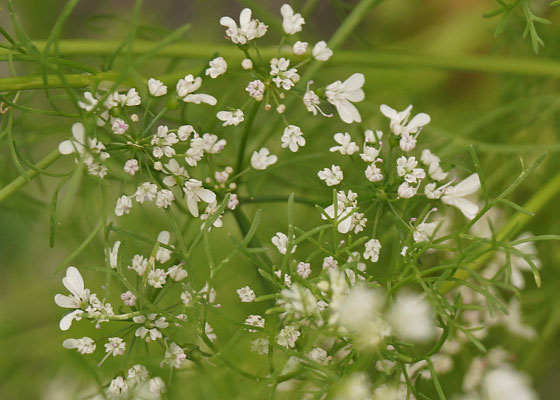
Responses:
[514,225]
[20,181]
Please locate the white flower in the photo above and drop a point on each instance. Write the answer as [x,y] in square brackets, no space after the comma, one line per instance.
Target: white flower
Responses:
[399,120]
[373,248]
[262,159]
[195,192]
[291,23]
[260,346]
[280,240]
[346,145]
[246,294]
[255,320]
[218,66]
[231,117]
[247,64]
[76,145]
[79,295]
[139,264]
[292,138]
[85,345]
[119,127]
[163,142]
[163,254]
[299,300]
[411,317]
[113,254]
[128,298]
[283,77]
[184,132]
[137,373]
[288,336]
[424,231]
[130,99]
[90,102]
[373,173]
[117,387]
[299,48]
[115,346]
[156,386]
[209,332]
[319,355]
[174,356]
[151,325]
[505,383]
[343,216]
[157,278]
[256,89]
[369,154]
[156,87]
[321,51]
[186,88]
[455,195]
[146,191]
[233,202]
[304,269]
[164,198]
[131,166]
[247,30]
[177,273]
[405,191]
[332,176]
[343,94]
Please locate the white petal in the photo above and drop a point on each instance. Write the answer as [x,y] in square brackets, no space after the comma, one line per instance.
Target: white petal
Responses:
[70,343]
[419,120]
[467,207]
[192,204]
[206,195]
[66,147]
[348,112]
[66,321]
[73,281]
[66,301]
[388,111]
[245,17]
[467,186]
[163,237]
[79,132]
[228,22]
[354,82]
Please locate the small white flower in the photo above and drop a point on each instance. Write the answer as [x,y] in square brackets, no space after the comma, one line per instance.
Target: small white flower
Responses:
[303,269]
[288,336]
[455,195]
[177,273]
[131,166]
[184,132]
[405,191]
[262,159]
[85,345]
[156,386]
[346,145]
[90,102]
[332,176]
[128,298]
[292,138]
[343,216]
[137,373]
[210,332]
[117,387]
[231,117]
[119,127]
[505,383]
[246,294]
[233,202]
[399,120]
[247,64]
[373,248]
[283,77]
[163,254]
[424,231]
[292,22]
[373,173]
[343,94]
[218,66]
[411,317]
[156,87]
[139,264]
[260,346]
[247,30]
[280,240]
[256,89]
[164,198]
[115,346]
[321,51]
[174,356]
[76,145]
[186,88]
[130,99]
[299,48]
[146,191]
[194,193]
[255,320]
[157,278]
[113,254]
[319,355]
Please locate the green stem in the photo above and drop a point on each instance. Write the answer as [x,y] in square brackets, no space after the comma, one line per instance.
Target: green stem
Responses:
[20,181]
[245,135]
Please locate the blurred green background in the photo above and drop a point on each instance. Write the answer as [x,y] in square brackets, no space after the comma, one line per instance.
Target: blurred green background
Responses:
[507,116]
